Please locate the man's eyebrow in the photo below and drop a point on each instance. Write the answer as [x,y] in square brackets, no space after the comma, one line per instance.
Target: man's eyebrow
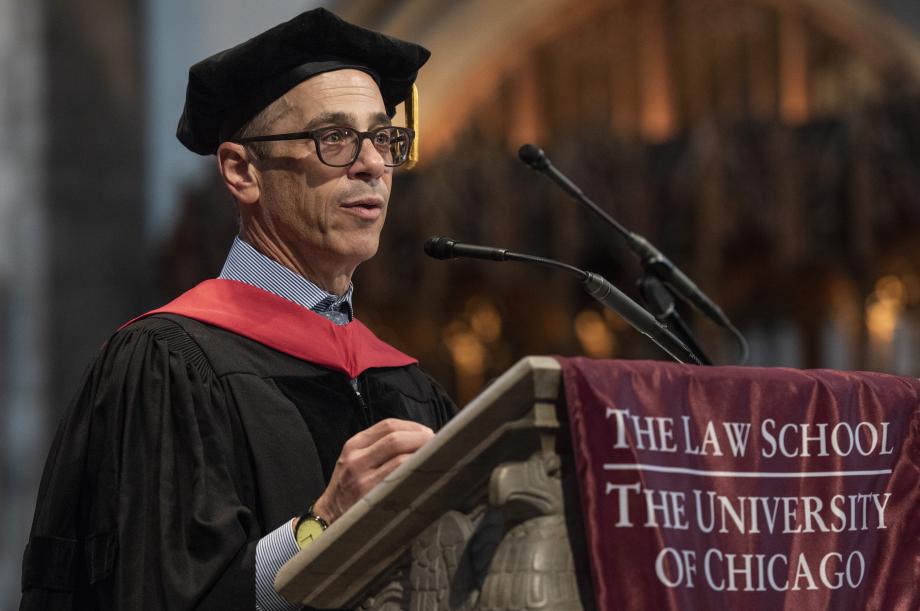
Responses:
[381,119]
[344,118]
[329,118]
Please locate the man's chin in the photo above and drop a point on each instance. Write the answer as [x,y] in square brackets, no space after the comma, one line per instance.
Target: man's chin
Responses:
[359,251]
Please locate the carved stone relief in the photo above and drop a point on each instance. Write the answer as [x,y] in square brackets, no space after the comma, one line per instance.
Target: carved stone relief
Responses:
[513,554]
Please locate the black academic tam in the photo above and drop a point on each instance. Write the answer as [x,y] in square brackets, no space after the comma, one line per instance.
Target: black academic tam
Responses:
[186,444]
[229,88]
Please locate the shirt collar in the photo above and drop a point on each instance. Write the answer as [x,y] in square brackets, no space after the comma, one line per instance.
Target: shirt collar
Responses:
[246,264]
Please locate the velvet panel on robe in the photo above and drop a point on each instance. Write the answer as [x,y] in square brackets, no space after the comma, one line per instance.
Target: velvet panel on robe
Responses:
[187,444]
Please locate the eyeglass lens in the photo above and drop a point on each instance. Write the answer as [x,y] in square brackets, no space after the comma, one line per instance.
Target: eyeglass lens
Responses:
[340,146]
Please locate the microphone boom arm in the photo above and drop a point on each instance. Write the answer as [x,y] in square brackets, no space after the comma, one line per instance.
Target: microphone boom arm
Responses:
[596,285]
[610,296]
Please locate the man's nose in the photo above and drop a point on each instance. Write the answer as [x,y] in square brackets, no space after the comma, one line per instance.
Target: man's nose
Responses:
[369,162]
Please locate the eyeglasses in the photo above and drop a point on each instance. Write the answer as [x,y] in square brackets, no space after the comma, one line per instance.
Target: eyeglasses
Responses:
[340,146]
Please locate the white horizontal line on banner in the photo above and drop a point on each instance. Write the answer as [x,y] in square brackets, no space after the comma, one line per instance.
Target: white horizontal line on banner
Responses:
[703,472]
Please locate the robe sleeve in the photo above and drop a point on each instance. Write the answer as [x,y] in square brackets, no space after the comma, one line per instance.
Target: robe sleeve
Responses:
[444,405]
[145,502]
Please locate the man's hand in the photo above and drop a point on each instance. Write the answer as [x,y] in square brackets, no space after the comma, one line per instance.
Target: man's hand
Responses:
[366,459]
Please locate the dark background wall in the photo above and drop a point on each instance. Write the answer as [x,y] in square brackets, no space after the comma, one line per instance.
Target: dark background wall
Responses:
[99,276]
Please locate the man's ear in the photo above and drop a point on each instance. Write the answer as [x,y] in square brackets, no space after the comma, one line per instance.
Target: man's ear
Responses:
[239,173]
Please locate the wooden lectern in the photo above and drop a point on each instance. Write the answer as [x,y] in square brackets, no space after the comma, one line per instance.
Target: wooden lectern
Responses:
[484,517]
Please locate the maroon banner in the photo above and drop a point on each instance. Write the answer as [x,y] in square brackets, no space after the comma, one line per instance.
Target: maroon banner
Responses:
[744,488]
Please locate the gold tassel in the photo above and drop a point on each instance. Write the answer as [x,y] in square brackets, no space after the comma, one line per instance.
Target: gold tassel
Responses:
[411,108]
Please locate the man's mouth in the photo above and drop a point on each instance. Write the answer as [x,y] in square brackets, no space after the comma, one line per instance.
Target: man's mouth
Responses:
[368,208]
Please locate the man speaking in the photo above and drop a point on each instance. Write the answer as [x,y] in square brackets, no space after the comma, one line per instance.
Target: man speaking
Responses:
[216,436]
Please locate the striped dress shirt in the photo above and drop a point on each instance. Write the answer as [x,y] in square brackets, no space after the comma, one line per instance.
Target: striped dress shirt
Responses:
[246,264]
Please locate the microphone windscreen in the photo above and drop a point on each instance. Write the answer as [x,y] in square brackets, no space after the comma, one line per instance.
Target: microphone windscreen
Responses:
[532,156]
[439,247]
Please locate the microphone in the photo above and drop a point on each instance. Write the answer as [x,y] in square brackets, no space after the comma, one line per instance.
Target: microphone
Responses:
[445,248]
[537,159]
[596,285]
[653,261]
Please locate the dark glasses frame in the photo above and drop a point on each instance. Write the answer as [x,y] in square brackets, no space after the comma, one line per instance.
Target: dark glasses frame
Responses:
[316,135]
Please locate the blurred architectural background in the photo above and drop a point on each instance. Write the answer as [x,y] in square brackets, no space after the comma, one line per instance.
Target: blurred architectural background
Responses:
[770,147]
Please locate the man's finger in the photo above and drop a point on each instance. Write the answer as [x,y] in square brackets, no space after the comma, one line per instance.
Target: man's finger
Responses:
[392,445]
[388,467]
[371,435]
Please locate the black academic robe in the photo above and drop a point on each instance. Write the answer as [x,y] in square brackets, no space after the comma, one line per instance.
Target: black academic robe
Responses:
[186,444]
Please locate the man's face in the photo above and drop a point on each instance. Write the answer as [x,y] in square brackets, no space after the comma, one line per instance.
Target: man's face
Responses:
[328,216]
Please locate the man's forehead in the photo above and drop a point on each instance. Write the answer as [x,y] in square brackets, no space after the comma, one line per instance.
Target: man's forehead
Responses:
[347,94]
[348,84]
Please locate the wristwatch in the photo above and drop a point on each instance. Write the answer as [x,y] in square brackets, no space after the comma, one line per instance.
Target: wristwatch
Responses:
[309,527]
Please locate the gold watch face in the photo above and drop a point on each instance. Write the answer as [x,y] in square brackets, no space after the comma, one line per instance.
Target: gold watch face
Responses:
[307,531]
